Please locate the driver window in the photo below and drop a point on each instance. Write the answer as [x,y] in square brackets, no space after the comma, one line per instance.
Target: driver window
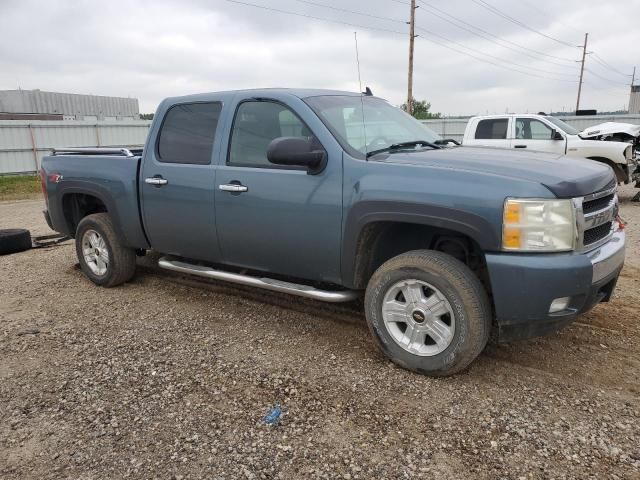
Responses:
[532,129]
[255,125]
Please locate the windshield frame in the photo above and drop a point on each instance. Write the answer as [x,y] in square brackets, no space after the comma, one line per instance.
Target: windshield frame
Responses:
[562,125]
[344,143]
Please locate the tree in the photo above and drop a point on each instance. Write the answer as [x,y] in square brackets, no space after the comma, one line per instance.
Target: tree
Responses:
[421,110]
[146,116]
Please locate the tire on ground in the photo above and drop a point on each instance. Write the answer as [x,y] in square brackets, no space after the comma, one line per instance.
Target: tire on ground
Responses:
[122,260]
[465,294]
[14,240]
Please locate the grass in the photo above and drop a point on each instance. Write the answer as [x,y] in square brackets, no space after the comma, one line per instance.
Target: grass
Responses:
[17,187]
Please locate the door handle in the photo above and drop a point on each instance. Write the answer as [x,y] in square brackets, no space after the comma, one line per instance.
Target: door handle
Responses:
[157,181]
[233,187]
[519,146]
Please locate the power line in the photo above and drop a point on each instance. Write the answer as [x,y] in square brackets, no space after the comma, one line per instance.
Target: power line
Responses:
[338,9]
[366,27]
[499,41]
[506,67]
[605,78]
[458,20]
[423,30]
[322,19]
[528,67]
[498,12]
[546,14]
[599,59]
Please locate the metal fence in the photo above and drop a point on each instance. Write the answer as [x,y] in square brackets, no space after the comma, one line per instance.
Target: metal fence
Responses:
[454,127]
[24,143]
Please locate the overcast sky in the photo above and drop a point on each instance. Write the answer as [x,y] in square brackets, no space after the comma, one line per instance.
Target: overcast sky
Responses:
[154,49]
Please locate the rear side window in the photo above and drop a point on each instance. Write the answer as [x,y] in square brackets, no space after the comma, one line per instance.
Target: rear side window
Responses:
[187,133]
[495,128]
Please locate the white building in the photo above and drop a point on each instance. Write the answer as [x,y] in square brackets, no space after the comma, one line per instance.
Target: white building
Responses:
[634,100]
[21,104]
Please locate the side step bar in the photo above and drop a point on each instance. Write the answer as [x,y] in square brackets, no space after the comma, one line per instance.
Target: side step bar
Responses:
[266,283]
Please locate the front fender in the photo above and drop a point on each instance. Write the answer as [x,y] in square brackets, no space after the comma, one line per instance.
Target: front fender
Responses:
[365,213]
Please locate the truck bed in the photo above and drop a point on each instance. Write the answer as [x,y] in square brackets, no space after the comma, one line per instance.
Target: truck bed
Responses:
[108,174]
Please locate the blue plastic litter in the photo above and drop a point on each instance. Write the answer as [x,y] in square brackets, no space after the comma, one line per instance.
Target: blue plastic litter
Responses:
[273,417]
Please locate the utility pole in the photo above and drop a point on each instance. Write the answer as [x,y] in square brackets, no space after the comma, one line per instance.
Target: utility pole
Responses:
[584,54]
[412,36]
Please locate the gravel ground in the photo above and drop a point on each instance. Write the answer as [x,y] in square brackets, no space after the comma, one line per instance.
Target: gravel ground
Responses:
[171,378]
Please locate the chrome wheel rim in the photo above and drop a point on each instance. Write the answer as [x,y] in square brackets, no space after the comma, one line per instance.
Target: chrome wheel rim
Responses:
[418,317]
[95,253]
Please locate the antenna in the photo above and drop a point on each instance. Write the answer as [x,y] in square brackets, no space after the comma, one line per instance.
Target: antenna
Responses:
[355,37]
[364,128]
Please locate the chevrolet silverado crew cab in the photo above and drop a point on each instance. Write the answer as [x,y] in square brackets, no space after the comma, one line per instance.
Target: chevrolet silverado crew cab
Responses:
[545,133]
[335,196]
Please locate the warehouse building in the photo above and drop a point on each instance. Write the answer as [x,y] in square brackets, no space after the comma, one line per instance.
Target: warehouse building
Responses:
[634,100]
[39,105]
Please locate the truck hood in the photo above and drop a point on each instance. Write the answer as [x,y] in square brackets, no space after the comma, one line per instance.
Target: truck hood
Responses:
[611,128]
[565,177]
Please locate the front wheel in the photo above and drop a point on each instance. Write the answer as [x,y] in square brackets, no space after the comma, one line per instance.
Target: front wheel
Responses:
[428,312]
[102,257]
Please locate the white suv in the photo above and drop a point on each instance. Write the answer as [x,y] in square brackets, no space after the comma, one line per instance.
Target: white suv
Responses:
[544,133]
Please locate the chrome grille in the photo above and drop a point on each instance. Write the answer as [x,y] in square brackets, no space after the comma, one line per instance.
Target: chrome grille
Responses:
[596,204]
[595,215]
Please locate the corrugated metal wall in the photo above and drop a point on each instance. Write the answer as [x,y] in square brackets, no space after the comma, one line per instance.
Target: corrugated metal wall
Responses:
[454,127]
[17,139]
[69,104]
[634,100]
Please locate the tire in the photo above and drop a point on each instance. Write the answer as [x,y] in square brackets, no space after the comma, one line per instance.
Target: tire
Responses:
[14,240]
[117,266]
[447,312]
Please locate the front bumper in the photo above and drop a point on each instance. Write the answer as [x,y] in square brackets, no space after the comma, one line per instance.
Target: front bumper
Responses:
[525,285]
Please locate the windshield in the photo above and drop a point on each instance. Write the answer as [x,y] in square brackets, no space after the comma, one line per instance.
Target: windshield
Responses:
[565,127]
[381,126]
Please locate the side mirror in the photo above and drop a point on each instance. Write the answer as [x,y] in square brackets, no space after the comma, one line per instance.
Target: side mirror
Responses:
[556,135]
[297,151]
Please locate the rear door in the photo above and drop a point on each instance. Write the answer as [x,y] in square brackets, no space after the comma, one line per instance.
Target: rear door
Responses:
[533,134]
[278,219]
[491,132]
[178,182]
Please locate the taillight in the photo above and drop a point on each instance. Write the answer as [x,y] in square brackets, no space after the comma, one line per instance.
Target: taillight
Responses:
[43,185]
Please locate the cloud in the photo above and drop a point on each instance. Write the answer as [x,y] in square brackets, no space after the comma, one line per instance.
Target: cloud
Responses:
[153,49]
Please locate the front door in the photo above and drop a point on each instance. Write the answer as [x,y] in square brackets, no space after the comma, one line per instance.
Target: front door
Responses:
[178,182]
[272,218]
[532,134]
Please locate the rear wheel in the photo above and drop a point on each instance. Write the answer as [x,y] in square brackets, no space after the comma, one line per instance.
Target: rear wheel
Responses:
[428,312]
[102,257]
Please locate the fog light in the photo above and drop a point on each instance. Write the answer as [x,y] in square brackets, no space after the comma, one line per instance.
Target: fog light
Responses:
[559,304]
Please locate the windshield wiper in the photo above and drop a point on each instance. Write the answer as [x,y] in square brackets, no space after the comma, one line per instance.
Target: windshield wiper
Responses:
[398,146]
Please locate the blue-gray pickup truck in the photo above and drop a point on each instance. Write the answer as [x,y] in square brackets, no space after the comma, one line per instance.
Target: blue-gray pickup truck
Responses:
[338,196]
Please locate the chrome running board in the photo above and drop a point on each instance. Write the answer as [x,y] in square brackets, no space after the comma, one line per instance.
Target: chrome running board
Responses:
[265,283]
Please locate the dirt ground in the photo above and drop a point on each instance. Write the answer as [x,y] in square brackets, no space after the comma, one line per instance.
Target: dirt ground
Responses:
[169,378]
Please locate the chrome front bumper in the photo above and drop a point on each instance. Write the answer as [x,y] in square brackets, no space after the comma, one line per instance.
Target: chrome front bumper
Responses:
[608,258]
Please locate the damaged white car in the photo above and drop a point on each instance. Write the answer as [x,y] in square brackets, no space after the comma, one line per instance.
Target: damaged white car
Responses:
[618,132]
[615,132]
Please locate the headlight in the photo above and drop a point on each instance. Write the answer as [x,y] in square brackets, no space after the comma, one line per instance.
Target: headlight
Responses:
[628,154]
[538,225]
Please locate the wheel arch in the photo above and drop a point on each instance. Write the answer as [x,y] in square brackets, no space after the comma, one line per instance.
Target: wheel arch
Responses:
[77,203]
[376,232]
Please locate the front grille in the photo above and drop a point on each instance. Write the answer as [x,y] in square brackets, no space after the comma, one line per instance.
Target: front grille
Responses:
[590,206]
[595,234]
[596,216]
